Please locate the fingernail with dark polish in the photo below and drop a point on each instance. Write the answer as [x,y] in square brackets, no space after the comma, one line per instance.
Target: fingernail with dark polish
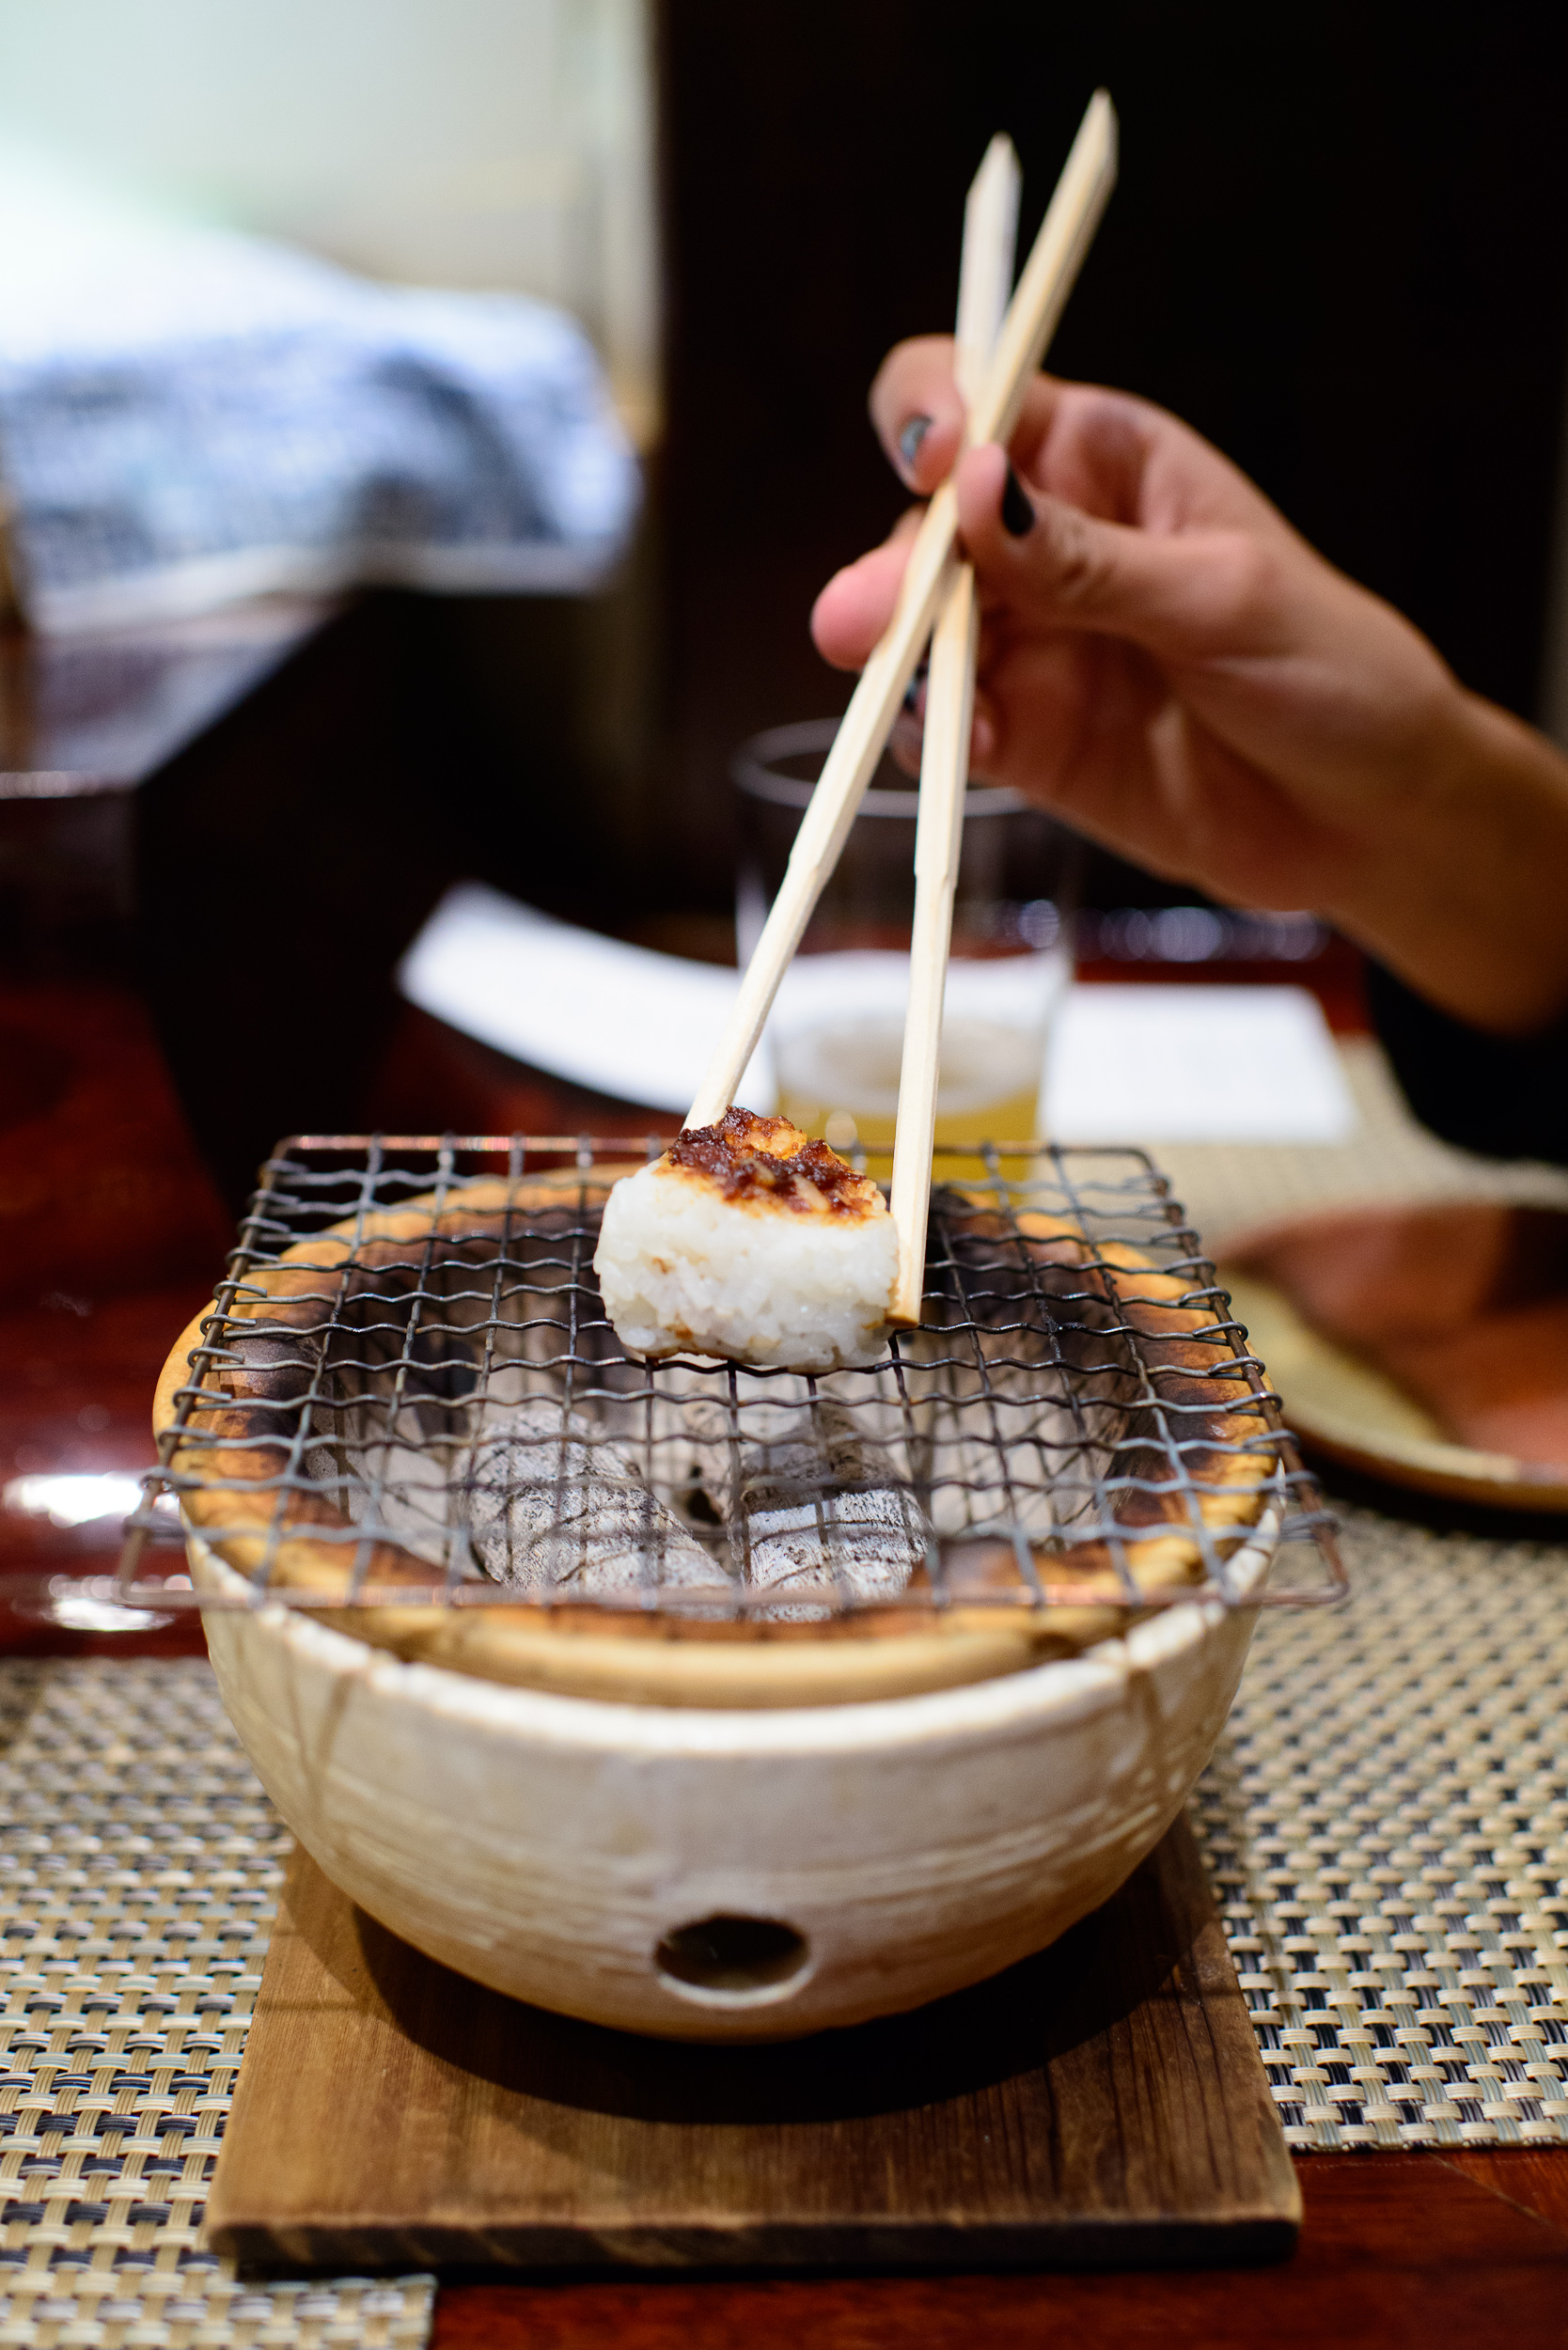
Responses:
[1017,513]
[914,432]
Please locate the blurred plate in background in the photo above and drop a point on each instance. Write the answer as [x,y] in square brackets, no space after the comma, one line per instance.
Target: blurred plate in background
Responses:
[1427,1346]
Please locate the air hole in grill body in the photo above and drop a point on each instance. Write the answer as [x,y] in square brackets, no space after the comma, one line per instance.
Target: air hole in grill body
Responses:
[728,1957]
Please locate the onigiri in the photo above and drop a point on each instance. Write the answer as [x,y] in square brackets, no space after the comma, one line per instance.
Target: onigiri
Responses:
[749,1240]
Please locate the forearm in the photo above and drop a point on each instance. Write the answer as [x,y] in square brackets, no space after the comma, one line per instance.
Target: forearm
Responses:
[1466,896]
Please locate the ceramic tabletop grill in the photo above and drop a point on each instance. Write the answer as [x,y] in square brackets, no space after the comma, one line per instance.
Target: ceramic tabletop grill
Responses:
[704,1701]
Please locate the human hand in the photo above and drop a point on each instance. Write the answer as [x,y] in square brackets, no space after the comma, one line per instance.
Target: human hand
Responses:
[1166,664]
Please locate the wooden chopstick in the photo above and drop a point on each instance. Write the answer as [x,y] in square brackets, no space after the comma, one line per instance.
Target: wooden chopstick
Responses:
[985,276]
[986,268]
[1064,238]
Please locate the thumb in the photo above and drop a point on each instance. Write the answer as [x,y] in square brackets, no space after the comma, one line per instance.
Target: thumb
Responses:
[856,604]
[1183,595]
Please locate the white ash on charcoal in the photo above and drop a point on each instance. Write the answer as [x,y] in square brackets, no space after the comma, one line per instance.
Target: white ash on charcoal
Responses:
[555,1511]
[812,1504]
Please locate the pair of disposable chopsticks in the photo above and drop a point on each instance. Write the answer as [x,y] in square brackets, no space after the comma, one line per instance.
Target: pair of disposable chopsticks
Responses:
[994,375]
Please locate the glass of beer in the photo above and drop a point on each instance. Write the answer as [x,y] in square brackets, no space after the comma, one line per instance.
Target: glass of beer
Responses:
[834,1042]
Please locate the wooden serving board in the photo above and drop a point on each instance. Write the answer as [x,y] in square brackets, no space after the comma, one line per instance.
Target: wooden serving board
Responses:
[1103,2103]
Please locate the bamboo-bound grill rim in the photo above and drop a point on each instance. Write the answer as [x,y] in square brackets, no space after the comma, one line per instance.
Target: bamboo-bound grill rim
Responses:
[1226,1477]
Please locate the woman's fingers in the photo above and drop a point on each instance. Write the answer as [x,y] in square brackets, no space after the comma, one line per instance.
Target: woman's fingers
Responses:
[1181,595]
[907,740]
[920,418]
[984,732]
[856,604]
[917,411]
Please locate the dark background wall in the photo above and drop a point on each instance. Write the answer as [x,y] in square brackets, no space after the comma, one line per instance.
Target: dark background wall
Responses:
[1339,246]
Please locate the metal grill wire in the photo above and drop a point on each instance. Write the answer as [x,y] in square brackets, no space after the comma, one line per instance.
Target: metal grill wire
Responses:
[469,1403]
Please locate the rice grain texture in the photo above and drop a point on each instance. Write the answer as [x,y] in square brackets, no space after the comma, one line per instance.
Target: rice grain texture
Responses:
[748,1242]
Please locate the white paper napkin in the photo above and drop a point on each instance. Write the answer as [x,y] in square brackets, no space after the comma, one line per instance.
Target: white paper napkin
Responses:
[1125,1063]
[1150,1064]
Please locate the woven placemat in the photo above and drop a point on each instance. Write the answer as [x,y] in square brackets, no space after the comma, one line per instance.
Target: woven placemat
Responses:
[1387,1816]
[139,1864]
[1385,1822]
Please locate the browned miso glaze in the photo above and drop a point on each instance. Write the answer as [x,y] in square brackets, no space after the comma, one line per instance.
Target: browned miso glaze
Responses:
[746,1156]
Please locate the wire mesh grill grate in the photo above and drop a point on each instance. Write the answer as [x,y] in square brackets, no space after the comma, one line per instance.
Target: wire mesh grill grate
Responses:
[407,1389]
